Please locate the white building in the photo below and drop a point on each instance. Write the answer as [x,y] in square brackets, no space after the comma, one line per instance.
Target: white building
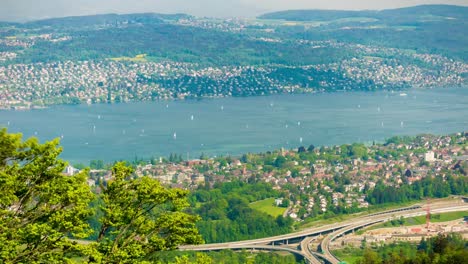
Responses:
[278,201]
[71,171]
[430,156]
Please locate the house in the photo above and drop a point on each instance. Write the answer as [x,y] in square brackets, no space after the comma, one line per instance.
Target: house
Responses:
[278,201]
[429,156]
[70,171]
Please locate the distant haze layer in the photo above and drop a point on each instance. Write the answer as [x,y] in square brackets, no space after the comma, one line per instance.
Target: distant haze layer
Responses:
[22,10]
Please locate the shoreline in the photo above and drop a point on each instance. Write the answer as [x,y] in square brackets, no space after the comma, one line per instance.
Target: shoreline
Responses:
[30,106]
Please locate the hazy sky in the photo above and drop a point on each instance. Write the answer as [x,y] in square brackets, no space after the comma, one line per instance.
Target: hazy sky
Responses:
[34,9]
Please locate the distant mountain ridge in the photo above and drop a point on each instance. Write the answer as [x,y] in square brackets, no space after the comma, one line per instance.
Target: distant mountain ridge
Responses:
[101,19]
[407,13]
[386,15]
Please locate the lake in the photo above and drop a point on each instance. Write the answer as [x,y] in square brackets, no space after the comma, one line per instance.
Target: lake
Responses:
[231,126]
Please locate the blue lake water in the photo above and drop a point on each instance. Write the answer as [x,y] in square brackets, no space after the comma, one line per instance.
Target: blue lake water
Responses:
[231,126]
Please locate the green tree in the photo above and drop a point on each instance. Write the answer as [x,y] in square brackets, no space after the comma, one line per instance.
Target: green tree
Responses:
[96,164]
[43,212]
[280,161]
[142,217]
[370,257]
[312,170]
[40,207]
[201,258]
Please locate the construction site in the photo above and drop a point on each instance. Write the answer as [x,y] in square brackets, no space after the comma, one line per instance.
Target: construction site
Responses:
[408,231]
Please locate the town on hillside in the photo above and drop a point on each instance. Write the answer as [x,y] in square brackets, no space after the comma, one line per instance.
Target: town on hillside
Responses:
[32,81]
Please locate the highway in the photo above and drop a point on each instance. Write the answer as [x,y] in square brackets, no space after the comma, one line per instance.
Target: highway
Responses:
[325,244]
[294,235]
[271,240]
[334,230]
[307,253]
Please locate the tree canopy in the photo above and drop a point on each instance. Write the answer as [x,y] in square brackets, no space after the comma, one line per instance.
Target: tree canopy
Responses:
[45,214]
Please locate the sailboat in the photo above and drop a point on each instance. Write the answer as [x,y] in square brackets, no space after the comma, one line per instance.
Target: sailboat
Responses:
[191,117]
[175,135]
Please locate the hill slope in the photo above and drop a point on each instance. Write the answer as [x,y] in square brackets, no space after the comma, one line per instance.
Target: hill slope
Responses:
[391,15]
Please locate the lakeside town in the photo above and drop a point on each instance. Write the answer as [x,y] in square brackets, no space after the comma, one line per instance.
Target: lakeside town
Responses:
[325,180]
[38,83]
[24,86]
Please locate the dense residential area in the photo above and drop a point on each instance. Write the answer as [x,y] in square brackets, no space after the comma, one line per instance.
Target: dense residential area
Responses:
[37,85]
[327,181]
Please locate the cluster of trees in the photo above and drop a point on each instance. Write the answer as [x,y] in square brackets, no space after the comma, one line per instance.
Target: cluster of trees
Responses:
[226,215]
[442,249]
[429,187]
[45,214]
[226,257]
[173,42]
[175,158]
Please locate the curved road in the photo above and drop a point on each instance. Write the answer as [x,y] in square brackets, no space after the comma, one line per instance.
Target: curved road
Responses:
[267,240]
[335,229]
[307,253]
[300,234]
[325,244]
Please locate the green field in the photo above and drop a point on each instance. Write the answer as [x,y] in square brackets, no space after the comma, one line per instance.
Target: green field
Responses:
[268,206]
[137,58]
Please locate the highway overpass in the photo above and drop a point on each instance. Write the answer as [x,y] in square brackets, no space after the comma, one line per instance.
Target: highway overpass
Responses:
[333,231]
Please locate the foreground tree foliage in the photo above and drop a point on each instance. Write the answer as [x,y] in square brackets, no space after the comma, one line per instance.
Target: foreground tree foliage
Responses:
[141,217]
[228,257]
[39,206]
[44,213]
